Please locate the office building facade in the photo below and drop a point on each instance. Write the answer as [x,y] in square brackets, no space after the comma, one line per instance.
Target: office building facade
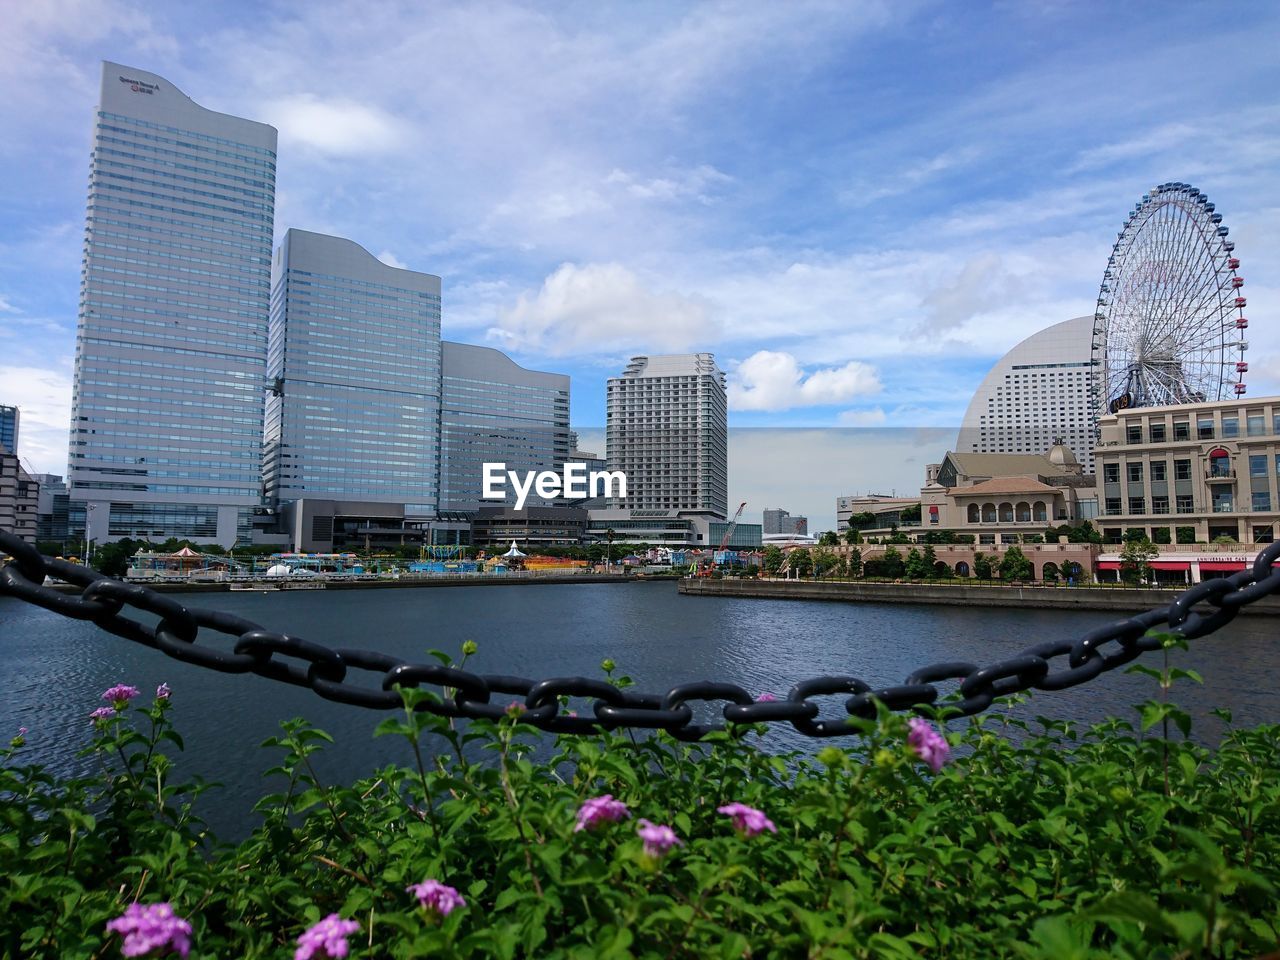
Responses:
[778,521]
[492,410]
[171,341]
[667,430]
[9,428]
[354,366]
[1035,395]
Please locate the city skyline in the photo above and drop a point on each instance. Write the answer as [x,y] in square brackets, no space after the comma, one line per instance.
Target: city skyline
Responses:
[857,217]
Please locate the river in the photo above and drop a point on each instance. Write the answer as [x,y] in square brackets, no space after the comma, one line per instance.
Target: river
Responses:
[55,669]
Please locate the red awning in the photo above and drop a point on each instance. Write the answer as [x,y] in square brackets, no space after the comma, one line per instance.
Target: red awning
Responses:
[1108,564]
[1170,565]
[1220,565]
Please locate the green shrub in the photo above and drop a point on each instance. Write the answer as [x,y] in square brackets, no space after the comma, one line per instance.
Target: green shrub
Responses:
[1105,842]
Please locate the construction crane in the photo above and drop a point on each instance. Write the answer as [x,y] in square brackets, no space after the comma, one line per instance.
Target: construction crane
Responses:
[724,541]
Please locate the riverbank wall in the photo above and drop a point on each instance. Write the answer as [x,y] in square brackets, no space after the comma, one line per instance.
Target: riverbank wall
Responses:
[1119,599]
[376,583]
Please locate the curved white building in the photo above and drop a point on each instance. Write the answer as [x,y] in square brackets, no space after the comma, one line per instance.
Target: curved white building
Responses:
[1036,393]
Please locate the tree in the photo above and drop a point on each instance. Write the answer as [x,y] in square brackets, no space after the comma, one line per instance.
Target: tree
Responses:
[1135,558]
[981,566]
[1015,565]
[824,561]
[854,565]
[772,560]
[829,539]
[852,536]
[910,513]
[801,562]
[915,568]
[929,558]
[113,558]
[891,564]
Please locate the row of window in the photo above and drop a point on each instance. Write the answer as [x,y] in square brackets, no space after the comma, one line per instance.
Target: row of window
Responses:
[268,156]
[1222,502]
[260,199]
[211,175]
[1218,467]
[103,183]
[139,222]
[1255,426]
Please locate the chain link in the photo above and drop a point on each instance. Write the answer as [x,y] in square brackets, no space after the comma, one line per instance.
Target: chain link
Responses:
[1202,609]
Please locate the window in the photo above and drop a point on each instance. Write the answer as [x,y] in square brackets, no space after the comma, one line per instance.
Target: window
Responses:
[1157,432]
[1185,505]
[1182,469]
[1111,472]
[1159,504]
[1113,506]
[1255,425]
[1258,465]
[1231,426]
[1224,501]
[1261,501]
[1135,472]
[1158,469]
[1133,433]
[1181,430]
[1137,504]
[1204,428]
[1219,464]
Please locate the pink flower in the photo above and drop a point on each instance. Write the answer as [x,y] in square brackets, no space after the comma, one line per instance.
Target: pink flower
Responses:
[437,897]
[20,739]
[119,695]
[658,838]
[163,692]
[766,698]
[328,938]
[930,745]
[600,810]
[747,820]
[153,927]
[102,713]
[515,708]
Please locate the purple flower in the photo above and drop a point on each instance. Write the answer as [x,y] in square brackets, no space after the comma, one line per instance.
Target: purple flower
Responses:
[766,698]
[20,739]
[515,708]
[747,820]
[328,938]
[102,713]
[163,692]
[600,810]
[437,897]
[119,695]
[930,745]
[658,838]
[153,927]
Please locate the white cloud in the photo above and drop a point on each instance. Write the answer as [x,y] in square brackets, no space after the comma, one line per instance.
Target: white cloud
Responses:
[862,418]
[391,260]
[338,126]
[698,184]
[769,380]
[601,307]
[43,398]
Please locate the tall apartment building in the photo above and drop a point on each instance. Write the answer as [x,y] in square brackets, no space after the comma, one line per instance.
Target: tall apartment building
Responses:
[493,410]
[1192,473]
[171,342]
[354,366]
[667,430]
[779,522]
[9,428]
[1035,395]
[19,493]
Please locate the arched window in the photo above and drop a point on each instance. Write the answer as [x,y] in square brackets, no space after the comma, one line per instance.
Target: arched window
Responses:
[973,513]
[1049,571]
[1023,512]
[962,569]
[988,513]
[1006,512]
[1039,511]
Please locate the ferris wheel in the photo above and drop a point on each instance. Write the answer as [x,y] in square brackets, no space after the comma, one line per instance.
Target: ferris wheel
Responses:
[1170,324]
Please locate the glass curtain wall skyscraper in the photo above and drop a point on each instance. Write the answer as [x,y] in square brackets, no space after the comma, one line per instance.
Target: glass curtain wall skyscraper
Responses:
[9,428]
[354,365]
[171,342]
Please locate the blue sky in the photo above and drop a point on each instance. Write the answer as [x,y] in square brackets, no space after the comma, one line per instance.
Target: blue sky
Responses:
[857,206]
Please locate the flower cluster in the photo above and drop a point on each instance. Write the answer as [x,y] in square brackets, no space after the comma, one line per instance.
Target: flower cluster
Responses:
[600,810]
[747,820]
[928,744]
[328,938]
[658,838]
[436,897]
[163,692]
[153,927]
[102,713]
[120,695]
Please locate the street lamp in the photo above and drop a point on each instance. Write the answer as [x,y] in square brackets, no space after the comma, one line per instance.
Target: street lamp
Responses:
[88,538]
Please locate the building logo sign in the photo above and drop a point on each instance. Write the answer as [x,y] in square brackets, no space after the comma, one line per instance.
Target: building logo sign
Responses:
[141,86]
[574,483]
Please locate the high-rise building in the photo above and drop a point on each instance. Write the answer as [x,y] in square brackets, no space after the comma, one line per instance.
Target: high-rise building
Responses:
[667,430]
[9,428]
[19,493]
[492,410]
[53,516]
[354,368]
[778,522]
[171,343]
[1035,395]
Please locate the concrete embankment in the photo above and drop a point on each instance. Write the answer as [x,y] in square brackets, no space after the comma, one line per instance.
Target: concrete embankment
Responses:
[372,583]
[1121,600]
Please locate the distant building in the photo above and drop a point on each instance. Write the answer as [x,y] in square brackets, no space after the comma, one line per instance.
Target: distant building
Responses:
[53,509]
[779,521]
[874,511]
[354,366]
[1036,393]
[559,526]
[19,498]
[171,341]
[667,430]
[9,428]
[495,411]
[671,528]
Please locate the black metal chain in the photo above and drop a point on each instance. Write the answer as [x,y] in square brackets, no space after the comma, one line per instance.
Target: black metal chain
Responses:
[1200,610]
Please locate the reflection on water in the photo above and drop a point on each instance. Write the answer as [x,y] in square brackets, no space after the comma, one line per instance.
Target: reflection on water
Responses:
[54,669]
